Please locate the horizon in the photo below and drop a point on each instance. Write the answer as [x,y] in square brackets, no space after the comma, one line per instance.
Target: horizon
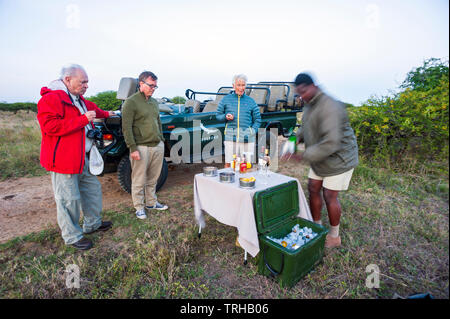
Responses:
[353,49]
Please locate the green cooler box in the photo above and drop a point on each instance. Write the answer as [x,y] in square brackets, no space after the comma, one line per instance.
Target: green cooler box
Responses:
[276,211]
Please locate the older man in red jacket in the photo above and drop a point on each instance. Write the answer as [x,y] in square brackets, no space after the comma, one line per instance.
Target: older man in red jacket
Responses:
[65,117]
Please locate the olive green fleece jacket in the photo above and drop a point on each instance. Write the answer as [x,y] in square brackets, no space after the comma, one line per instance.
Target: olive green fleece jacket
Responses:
[141,124]
[330,143]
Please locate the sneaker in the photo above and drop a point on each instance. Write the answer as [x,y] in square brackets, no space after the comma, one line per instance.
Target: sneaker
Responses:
[141,214]
[331,242]
[83,244]
[103,227]
[158,206]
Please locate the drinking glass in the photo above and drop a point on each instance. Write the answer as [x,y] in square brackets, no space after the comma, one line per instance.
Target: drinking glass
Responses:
[262,172]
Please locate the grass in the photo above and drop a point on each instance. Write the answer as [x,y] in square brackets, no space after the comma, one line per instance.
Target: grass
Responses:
[398,222]
[20,140]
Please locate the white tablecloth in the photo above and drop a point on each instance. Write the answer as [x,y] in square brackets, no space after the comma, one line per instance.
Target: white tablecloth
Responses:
[232,205]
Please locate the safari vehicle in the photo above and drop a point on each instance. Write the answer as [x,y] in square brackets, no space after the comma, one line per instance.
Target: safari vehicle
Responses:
[278,107]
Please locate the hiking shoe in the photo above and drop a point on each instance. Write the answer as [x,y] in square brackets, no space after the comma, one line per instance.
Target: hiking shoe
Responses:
[103,227]
[83,244]
[331,242]
[158,206]
[141,214]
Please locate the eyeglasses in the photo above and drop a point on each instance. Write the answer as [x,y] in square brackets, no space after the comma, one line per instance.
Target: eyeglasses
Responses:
[151,85]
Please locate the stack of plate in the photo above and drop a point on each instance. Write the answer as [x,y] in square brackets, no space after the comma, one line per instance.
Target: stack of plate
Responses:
[210,171]
[226,177]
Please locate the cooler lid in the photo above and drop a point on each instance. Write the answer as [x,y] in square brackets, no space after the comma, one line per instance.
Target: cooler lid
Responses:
[274,206]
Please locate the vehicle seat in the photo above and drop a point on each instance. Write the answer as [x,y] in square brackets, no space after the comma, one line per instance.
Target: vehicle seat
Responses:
[127,87]
[259,95]
[195,105]
[211,106]
[277,92]
[220,97]
[291,97]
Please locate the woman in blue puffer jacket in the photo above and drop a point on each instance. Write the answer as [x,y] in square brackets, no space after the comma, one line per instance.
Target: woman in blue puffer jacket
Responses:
[242,117]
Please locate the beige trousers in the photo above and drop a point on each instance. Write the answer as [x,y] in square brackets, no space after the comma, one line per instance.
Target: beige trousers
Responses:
[145,174]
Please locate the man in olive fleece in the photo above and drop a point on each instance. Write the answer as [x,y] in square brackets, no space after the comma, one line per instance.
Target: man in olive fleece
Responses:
[331,150]
[142,130]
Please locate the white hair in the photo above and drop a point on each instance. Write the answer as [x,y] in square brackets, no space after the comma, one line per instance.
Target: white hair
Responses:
[240,77]
[70,70]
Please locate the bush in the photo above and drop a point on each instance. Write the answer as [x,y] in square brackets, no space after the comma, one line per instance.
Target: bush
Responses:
[106,100]
[14,107]
[413,122]
[426,77]
[178,100]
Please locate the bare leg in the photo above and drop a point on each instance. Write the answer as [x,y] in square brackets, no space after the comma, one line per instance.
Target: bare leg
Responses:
[315,197]
[333,206]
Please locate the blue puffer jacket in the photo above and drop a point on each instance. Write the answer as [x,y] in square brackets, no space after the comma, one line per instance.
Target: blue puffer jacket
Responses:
[247,119]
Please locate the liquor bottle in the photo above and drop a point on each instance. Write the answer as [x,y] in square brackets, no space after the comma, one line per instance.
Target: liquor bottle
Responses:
[233,162]
[237,166]
[261,155]
[243,167]
[244,164]
[267,157]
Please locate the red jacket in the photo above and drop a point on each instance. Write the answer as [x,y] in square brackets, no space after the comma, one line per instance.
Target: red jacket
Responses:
[63,132]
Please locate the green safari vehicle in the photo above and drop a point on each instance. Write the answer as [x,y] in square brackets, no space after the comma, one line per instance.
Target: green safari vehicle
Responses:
[279,109]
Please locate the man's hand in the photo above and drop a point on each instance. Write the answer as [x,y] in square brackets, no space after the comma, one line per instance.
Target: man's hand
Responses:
[229,117]
[135,156]
[111,113]
[90,115]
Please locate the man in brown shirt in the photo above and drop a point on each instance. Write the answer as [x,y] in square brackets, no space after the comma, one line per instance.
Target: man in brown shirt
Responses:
[330,149]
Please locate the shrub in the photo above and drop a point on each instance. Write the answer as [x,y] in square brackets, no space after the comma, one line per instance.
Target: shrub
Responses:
[427,76]
[413,122]
[106,100]
[178,100]
[14,107]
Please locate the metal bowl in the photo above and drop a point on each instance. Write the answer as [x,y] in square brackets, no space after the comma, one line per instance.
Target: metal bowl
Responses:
[245,184]
[210,171]
[226,177]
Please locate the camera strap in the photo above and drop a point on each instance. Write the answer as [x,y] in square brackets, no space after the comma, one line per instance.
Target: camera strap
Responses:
[83,107]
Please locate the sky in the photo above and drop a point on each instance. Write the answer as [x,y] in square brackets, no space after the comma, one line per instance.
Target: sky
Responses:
[354,49]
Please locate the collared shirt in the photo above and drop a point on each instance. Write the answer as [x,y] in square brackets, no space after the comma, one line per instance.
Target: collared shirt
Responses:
[316,97]
[80,105]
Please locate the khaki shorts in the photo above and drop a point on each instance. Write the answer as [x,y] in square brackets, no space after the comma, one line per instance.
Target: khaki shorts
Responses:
[335,183]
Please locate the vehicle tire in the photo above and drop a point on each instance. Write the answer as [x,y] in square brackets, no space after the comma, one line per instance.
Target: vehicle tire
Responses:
[163,175]
[124,174]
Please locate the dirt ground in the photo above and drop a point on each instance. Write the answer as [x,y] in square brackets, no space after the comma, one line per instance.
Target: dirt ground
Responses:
[27,204]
